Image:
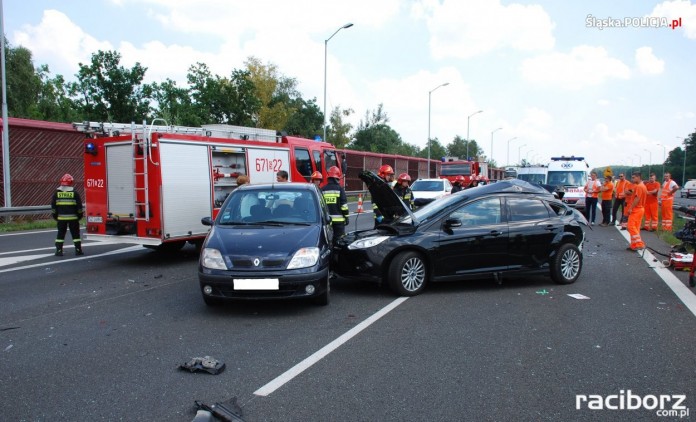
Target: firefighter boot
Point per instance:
(78, 249)
(59, 249)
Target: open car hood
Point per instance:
(384, 196)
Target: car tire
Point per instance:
(324, 298)
(407, 274)
(566, 265)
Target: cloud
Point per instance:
(584, 66)
(58, 41)
(648, 63)
(464, 29)
(603, 102)
(678, 9)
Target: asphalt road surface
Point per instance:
(100, 338)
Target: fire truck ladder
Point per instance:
(212, 130)
(142, 152)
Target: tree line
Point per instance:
(257, 95)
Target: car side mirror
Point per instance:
(207, 221)
(453, 222)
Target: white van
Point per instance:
(689, 188)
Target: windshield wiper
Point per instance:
(234, 223)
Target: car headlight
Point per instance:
(305, 257)
(212, 258)
(368, 242)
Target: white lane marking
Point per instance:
(65, 260)
(679, 288)
(321, 353)
(17, 259)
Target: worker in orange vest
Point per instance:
(667, 199)
(629, 191)
(591, 194)
(636, 209)
(653, 188)
(606, 193)
(619, 197)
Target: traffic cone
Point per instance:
(360, 209)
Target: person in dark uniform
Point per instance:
(458, 184)
(336, 202)
(66, 207)
(403, 190)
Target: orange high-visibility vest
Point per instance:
(606, 195)
(666, 193)
(641, 192)
(652, 186)
(621, 188)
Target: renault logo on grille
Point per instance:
(256, 262)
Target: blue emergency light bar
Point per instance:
(564, 158)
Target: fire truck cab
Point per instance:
(474, 173)
(151, 185)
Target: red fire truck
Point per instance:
(474, 172)
(151, 185)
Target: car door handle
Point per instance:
(496, 233)
(550, 227)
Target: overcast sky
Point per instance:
(543, 71)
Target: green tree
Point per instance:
(275, 92)
(55, 102)
(106, 91)
(173, 104)
(306, 119)
(23, 85)
(375, 135)
(458, 148)
(338, 132)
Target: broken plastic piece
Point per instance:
(228, 411)
(207, 364)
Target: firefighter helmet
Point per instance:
(334, 172)
(404, 177)
(460, 179)
(66, 180)
(317, 176)
(385, 170)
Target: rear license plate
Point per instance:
(256, 284)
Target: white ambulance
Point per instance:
(572, 173)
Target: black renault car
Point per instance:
(506, 228)
(270, 241)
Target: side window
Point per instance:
(524, 209)
(483, 212)
(330, 160)
(558, 209)
(303, 163)
(317, 160)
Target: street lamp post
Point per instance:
(508, 150)
(649, 159)
(519, 152)
(429, 101)
(664, 158)
(640, 165)
(326, 43)
(526, 156)
(467, 132)
(492, 132)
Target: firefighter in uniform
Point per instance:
(458, 184)
(636, 210)
(317, 178)
(66, 207)
(336, 202)
(386, 173)
(403, 191)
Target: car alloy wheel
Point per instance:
(566, 264)
(407, 274)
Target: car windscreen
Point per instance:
(567, 178)
(269, 205)
(427, 185)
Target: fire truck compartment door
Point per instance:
(119, 176)
(186, 193)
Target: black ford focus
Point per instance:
(505, 228)
(270, 241)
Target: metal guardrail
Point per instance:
(14, 211)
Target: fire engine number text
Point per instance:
(264, 164)
(95, 183)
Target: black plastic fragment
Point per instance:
(228, 411)
(206, 363)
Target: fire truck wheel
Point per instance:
(407, 274)
(168, 247)
(566, 264)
